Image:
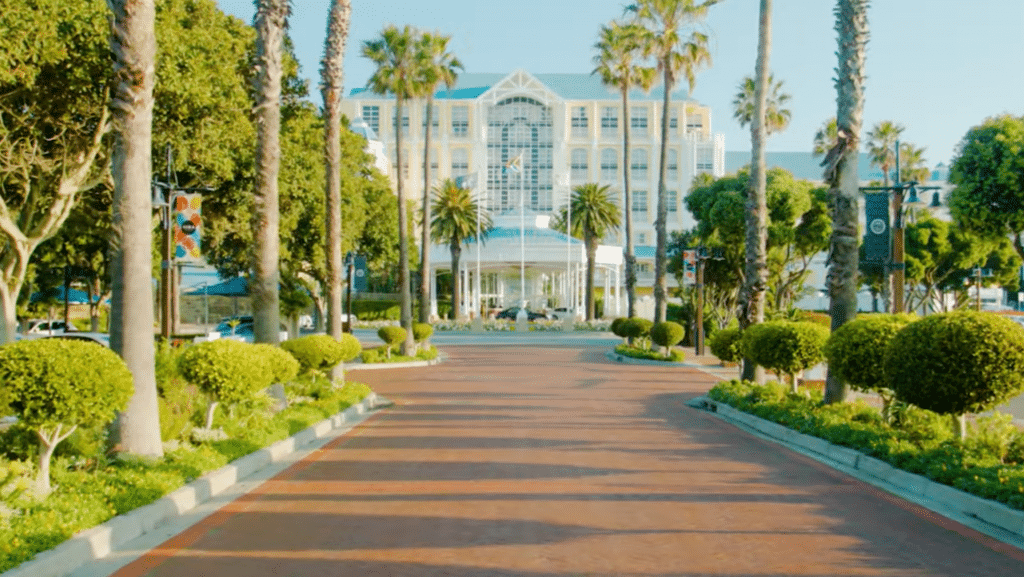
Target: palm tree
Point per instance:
(594, 214)
(271, 22)
(331, 87)
(454, 222)
(618, 48)
(776, 117)
(679, 50)
(826, 137)
(438, 66)
(841, 173)
(755, 273)
(912, 163)
(133, 44)
(395, 55)
(882, 146)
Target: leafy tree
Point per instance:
(270, 23)
(679, 49)
(227, 370)
(912, 163)
(437, 66)
(619, 47)
(841, 172)
(882, 146)
(453, 222)
(988, 172)
(826, 137)
(785, 347)
(776, 116)
(594, 215)
(332, 88)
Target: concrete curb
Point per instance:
(441, 357)
(616, 357)
(940, 498)
(97, 542)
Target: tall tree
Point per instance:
(841, 173)
(594, 215)
(755, 270)
(395, 55)
(882, 146)
(437, 66)
(680, 50)
(913, 165)
(331, 87)
(454, 221)
(826, 137)
(271, 22)
(133, 44)
(776, 115)
(619, 48)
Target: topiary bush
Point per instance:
(350, 347)
(785, 347)
(618, 327)
(56, 385)
(227, 370)
(393, 336)
(956, 363)
(725, 344)
(667, 334)
(283, 365)
(856, 350)
(316, 354)
(421, 332)
(637, 328)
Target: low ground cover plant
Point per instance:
(384, 355)
(674, 355)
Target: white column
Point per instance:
(618, 290)
(433, 293)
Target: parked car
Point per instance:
(98, 338)
(47, 326)
(561, 313)
(512, 313)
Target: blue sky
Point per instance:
(938, 67)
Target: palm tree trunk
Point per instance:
(591, 243)
(332, 75)
(627, 208)
(271, 18)
(405, 296)
(756, 268)
(425, 238)
(456, 250)
(133, 43)
(852, 26)
(660, 255)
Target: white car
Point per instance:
(46, 327)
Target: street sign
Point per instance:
(877, 243)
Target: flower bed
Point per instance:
(674, 356)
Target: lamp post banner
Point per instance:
(876, 235)
(188, 212)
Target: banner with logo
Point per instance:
(187, 227)
(876, 236)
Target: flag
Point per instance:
(515, 164)
(188, 224)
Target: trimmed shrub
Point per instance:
(392, 336)
(725, 344)
(667, 334)
(283, 364)
(637, 328)
(421, 332)
(618, 327)
(316, 354)
(227, 370)
(350, 347)
(57, 385)
(785, 347)
(856, 350)
(957, 363)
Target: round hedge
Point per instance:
(855, 351)
(59, 381)
(392, 335)
(618, 327)
(667, 333)
(315, 353)
(350, 347)
(725, 344)
(956, 363)
(636, 327)
(785, 347)
(283, 365)
(421, 332)
(228, 370)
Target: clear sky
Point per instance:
(938, 67)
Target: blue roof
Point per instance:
(569, 86)
(643, 252)
(803, 165)
(531, 234)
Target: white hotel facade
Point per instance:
(568, 128)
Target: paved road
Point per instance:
(548, 461)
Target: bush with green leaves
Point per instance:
(421, 331)
(283, 364)
(725, 344)
(957, 363)
(56, 385)
(637, 328)
(392, 336)
(856, 350)
(350, 347)
(785, 347)
(227, 370)
(667, 334)
(317, 354)
(618, 327)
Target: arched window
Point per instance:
(579, 165)
(609, 164)
(520, 127)
(638, 164)
(672, 169)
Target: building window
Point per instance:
(579, 165)
(435, 120)
(639, 202)
(705, 159)
(638, 164)
(460, 120)
(520, 127)
(672, 166)
(609, 121)
(460, 162)
(641, 239)
(579, 121)
(371, 114)
(638, 120)
(673, 119)
(673, 200)
(405, 119)
(609, 164)
(433, 165)
(406, 161)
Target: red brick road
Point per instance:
(556, 462)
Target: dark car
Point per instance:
(512, 312)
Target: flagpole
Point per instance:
(522, 228)
(478, 301)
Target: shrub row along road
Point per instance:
(555, 462)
